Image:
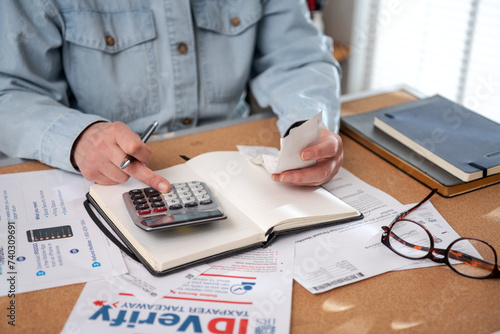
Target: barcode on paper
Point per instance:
(338, 281)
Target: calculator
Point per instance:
(187, 203)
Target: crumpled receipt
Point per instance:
(275, 162)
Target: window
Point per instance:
(447, 47)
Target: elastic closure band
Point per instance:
(485, 170)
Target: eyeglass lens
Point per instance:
(472, 257)
(409, 239)
(467, 256)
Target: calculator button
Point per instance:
(175, 207)
(135, 191)
(197, 187)
(157, 204)
(182, 189)
(140, 201)
(188, 199)
(206, 202)
(185, 194)
(169, 196)
(179, 185)
(161, 209)
(137, 196)
(144, 212)
(203, 197)
(191, 204)
(151, 192)
(199, 192)
(193, 183)
(155, 199)
(141, 207)
(173, 201)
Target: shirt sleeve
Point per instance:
(294, 71)
(37, 120)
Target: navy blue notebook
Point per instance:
(460, 141)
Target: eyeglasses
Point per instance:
(469, 257)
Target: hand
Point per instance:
(330, 154)
(101, 148)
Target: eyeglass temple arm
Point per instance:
(404, 214)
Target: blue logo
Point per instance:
(265, 330)
(242, 288)
(21, 259)
(265, 326)
(40, 273)
(74, 251)
(96, 264)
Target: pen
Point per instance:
(145, 136)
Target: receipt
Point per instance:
(305, 135)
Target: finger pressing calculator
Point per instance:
(187, 203)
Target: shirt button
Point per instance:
(109, 40)
(182, 48)
(235, 21)
(187, 121)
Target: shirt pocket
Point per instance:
(226, 35)
(109, 62)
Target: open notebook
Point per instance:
(257, 208)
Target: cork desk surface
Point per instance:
(427, 300)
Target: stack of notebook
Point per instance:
(435, 140)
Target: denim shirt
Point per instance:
(65, 64)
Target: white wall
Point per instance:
(347, 22)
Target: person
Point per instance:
(79, 79)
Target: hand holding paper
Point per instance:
(310, 155)
(305, 135)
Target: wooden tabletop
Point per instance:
(428, 300)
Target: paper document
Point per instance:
(47, 238)
(149, 288)
(305, 135)
(246, 293)
(333, 256)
